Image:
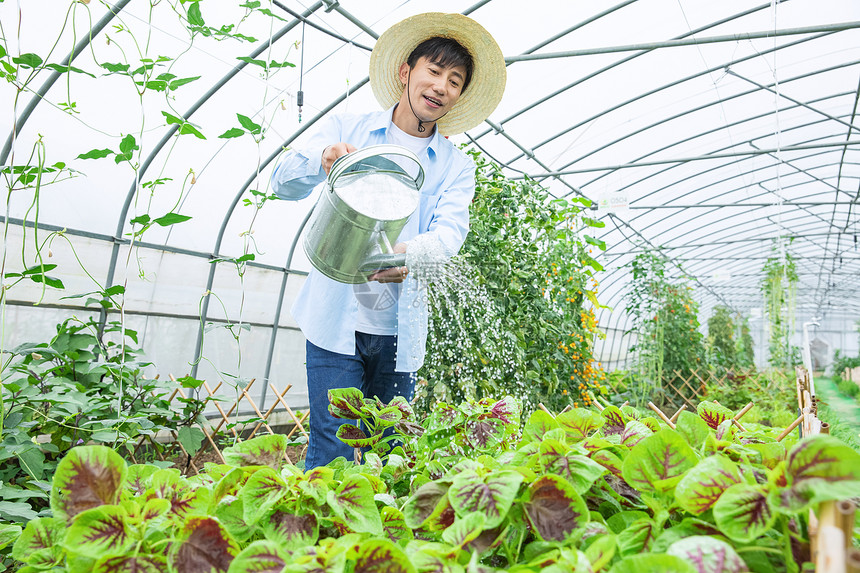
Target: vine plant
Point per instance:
(779, 286)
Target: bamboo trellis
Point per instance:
(213, 428)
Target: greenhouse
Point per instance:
(615, 284)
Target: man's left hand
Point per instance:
(394, 274)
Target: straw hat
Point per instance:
(488, 76)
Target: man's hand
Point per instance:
(332, 152)
(394, 274)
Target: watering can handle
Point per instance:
(344, 162)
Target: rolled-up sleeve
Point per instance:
(300, 169)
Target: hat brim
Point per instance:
(488, 75)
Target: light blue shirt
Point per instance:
(325, 309)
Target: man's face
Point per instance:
(433, 90)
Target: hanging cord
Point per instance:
(421, 128)
(300, 97)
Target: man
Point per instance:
(435, 75)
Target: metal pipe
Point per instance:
(744, 36)
(688, 159)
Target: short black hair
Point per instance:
(444, 52)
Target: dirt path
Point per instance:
(844, 406)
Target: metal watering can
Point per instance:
(365, 204)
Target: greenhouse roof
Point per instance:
(721, 133)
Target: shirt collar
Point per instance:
(381, 119)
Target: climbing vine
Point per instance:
(779, 286)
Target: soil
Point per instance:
(295, 453)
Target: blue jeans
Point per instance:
(370, 369)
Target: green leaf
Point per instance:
(181, 82)
(190, 438)
(658, 462)
(634, 432)
(8, 531)
(248, 60)
(264, 489)
(65, 69)
(593, 222)
(702, 486)
(353, 502)
(171, 219)
(261, 557)
(553, 508)
(128, 144)
(248, 124)
(596, 242)
(743, 513)
(491, 495)
(381, 556)
(99, 531)
(652, 563)
(96, 154)
(87, 477)
(195, 18)
(115, 68)
(50, 281)
(232, 132)
(265, 450)
(539, 423)
(40, 543)
(708, 555)
(27, 60)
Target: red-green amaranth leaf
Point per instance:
(464, 530)
(261, 557)
(658, 462)
(637, 537)
(204, 547)
(713, 414)
(291, 530)
(381, 556)
(491, 494)
(702, 486)
(429, 504)
(615, 420)
(652, 563)
(539, 423)
(394, 525)
(742, 513)
(485, 433)
(346, 403)
(708, 555)
(89, 476)
(354, 437)
(263, 490)
(265, 450)
(580, 423)
(353, 502)
(554, 508)
(39, 544)
(99, 531)
(692, 428)
(508, 410)
(634, 432)
(557, 459)
(131, 564)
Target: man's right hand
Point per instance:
(332, 152)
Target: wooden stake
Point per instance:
(265, 423)
(743, 412)
(825, 428)
(845, 511)
(674, 417)
(661, 414)
(626, 403)
(853, 561)
(287, 407)
(831, 550)
(542, 407)
(788, 430)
